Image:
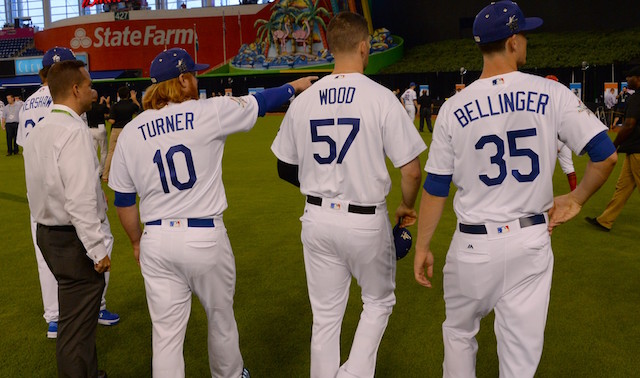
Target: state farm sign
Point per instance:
(149, 36)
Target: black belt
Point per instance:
(480, 229)
(352, 208)
(191, 222)
(68, 228)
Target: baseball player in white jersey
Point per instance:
(171, 156)
(34, 109)
(496, 141)
(410, 100)
(338, 160)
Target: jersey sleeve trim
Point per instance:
(438, 185)
(124, 199)
(600, 147)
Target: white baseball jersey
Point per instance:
(35, 108)
(408, 97)
(348, 120)
(565, 159)
(172, 157)
(498, 140)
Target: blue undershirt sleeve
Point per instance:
(600, 147)
(271, 99)
(124, 199)
(437, 185)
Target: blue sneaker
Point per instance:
(52, 331)
(245, 373)
(107, 318)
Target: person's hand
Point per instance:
(133, 93)
(564, 208)
(108, 99)
(136, 251)
(407, 214)
(303, 83)
(423, 266)
(103, 265)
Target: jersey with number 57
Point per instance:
(340, 131)
(35, 108)
(172, 157)
(497, 137)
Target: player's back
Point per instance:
(503, 133)
(33, 109)
(173, 156)
(342, 129)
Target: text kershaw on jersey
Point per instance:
(502, 103)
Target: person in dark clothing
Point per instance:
(121, 113)
(96, 122)
(426, 109)
(627, 141)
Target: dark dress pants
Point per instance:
(12, 134)
(79, 293)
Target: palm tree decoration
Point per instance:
(313, 14)
(265, 33)
(285, 15)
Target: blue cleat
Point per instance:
(52, 331)
(108, 318)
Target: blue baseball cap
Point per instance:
(501, 20)
(169, 64)
(412, 84)
(402, 239)
(57, 54)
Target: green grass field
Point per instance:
(593, 328)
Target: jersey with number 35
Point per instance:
(172, 157)
(340, 131)
(35, 108)
(498, 138)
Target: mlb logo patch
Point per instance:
(335, 206)
(503, 229)
(498, 81)
(175, 223)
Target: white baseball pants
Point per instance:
(48, 283)
(509, 273)
(411, 111)
(338, 245)
(176, 262)
(99, 135)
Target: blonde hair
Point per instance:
(157, 96)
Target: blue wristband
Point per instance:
(273, 98)
(124, 199)
(437, 185)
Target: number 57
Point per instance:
(315, 138)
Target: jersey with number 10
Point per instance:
(498, 138)
(172, 157)
(338, 132)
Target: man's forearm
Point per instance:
(595, 176)
(431, 208)
(410, 182)
(130, 221)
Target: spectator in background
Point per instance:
(621, 107)
(10, 117)
(409, 100)
(96, 122)
(121, 113)
(425, 104)
(610, 102)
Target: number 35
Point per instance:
(498, 158)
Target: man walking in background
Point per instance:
(10, 118)
(121, 113)
(95, 120)
(409, 98)
(627, 141)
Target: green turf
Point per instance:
(592, 329)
